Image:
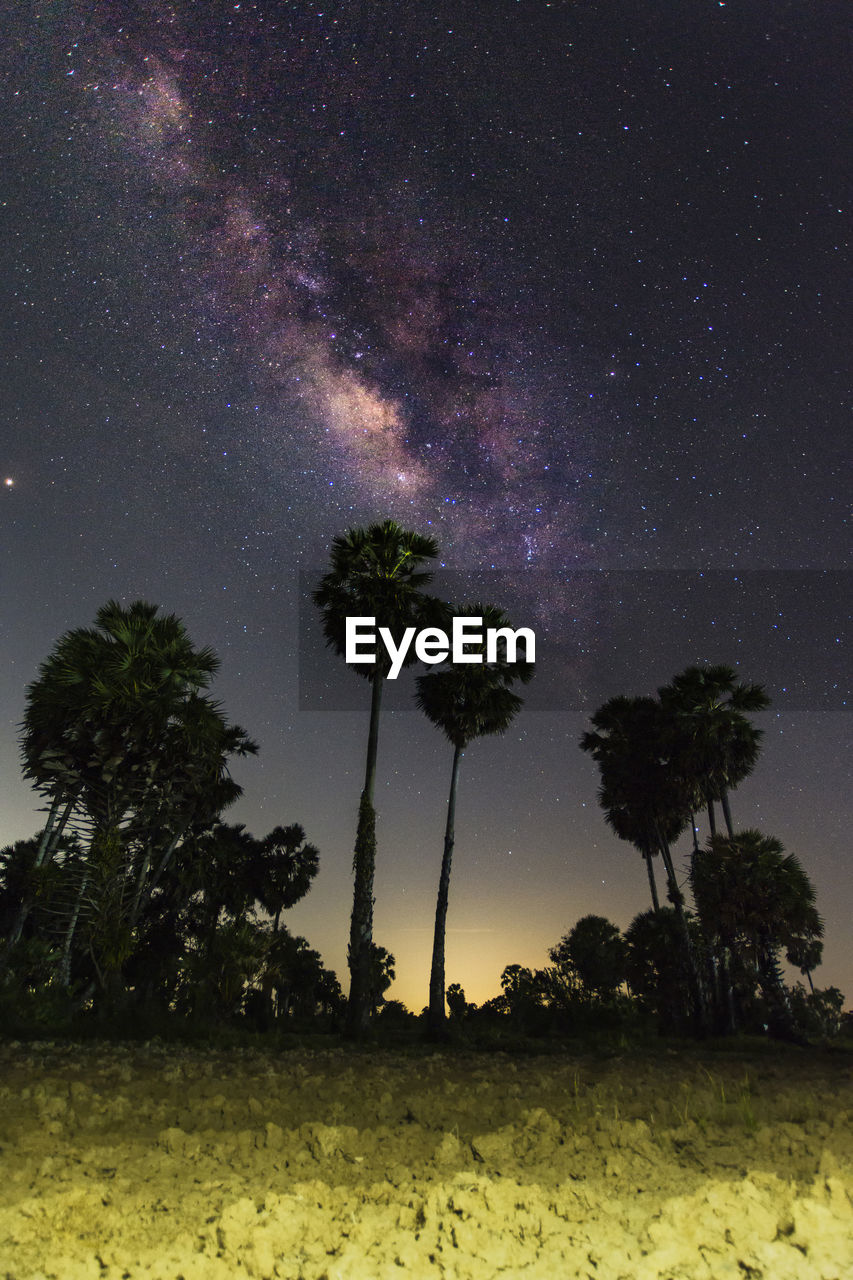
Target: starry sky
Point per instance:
(560, 284)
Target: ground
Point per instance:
(124, 1161)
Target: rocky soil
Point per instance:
(127, 1161)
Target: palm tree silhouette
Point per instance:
(99, 698)
(754, 900)
(645, 800)
(375, 572)
(116, 729)
(713, 742)
(466, 702)
(285, 866)
(594, 951)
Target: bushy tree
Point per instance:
(217, 978)
(521, 992)
(755, 901)
(655, 965)
(285, 867)
(293, 974)
(818, 1013)
(596, 952)
(220, 879)
(712, 743)
(129, 753)
(456, 1002)
(381, 974)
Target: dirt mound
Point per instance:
(123, 1162)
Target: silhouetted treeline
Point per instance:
(137, 898)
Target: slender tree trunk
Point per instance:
(214, 910)
(64, 974)
(727, 813)
(373, 736)
(713, 970)
(364, 863)
(674, 894)
(144, 896)
(728, 991)
(53, 834)
(712, 817)
(697, 994)
(722, 1004)
(781, 1018)
(437, 1016)
(647, 855)
(47, 847)
(695, 851)
(361, 923)
(45, 835)
(140, 881)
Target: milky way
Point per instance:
(401, 353)
(376, 337)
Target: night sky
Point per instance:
(562, 285)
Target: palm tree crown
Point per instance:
(713, 744)
(644, 801)
(471, 700)
(377, 572)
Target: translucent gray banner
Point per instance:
(605, 632)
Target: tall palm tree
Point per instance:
(120, 738)
(103, 698)
(630, 826)
(756, 900)
(714, 744)
(375, 572)
(645, 800)
(97, 715)
(466, 702)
